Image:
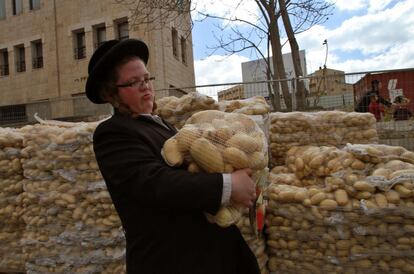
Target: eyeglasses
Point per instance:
(137, 84)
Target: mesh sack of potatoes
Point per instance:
(280, 175)
(218, 142)
(352, 224)
(256, 105)
(378, 153)
(318, 128)
(11, 210)
(321, 161)
(177, 110)
(68, 209)
(67, 258)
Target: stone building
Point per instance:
(325, 81)
(233, 93)
(45, 46)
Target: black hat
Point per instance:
(105, 58)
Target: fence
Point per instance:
(324, 90)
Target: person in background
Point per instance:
(400, 107)
(365, 101)
(161, 207)
(375, 107)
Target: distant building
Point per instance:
(45, 47)
(233, 93)
(327, 81)
(255, 70)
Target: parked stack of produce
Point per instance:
(255, 241)
(334, 128)
(251, 106)
(71, 224)
(177, 110)
(347, 210)
(11, 210)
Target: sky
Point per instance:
(362, 35)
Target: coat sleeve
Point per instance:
(133, 170)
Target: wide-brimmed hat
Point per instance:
(105, 58)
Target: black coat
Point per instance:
(162, 208)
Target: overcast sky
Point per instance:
(362, 35)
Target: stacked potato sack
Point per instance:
(356, 217)
(256, 242)
(220, 142)
(177, 110)
(334, 128)
(11, 210)
(256, 105)
(71, 224)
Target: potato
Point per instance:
(171, 153)
(237, 158)
(244, 142)
(207, 156)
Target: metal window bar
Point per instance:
(37, 62)
(80, 53)
(20, 66)
(97, 45)
(4, 70)
(123, 37)
(13, 113)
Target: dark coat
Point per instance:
(162, 208)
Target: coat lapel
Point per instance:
(157, 127)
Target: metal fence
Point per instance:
(324, 90)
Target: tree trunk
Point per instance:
(300, 86)
(277, 59)
(274, 91)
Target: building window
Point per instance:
(20, 58)
(34, 4)
(123, 32)
(17, 7)
(180, 5)
(37, 54)
(2, 9)
(174, 36)
(4, 62)
(183, 50)
(99, 35)
(79, 44)
(15, 113)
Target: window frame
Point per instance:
(174, 42)
(37, 59)
(3, 10)
(34, 4)
(119, 27)
(15, 10)
(183, 43)
(79, 44)
(97, 30)
(4, 62)
(20, 58)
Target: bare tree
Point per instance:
(149, 15)
(303, 13)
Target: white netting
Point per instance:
(71, 223)
(220, 142)
(324, 128)
(341, 214)
(11, 209)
